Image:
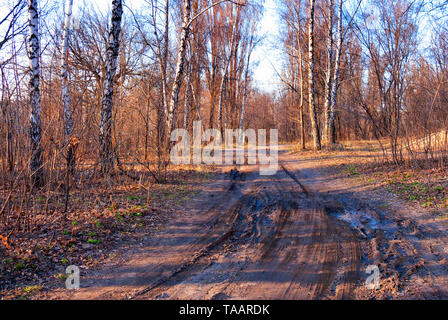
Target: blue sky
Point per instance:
(266, 54)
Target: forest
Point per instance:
(92, 92)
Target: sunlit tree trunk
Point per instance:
(337, 66)
(106, 152)
(174, 99)
(212, 69)
(67, 110)
(195, 102)
(328, 74)
(311, 93)
(246, 82)
(301, 113)
(222, 97)
(36, 163)
(224, 80)
(187, 94)
(164, 65)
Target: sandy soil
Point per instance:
(303, 233)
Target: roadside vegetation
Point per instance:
(102, 221)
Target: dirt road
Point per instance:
(248, 236)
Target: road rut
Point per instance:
(247, 236)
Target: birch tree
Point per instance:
(337, 66)
(174, 99)
(228, 58)
(67, 110)
(251, 45)
(334, 72)
(390, 44)
(188, 90)
(36, 162)
(180, 64)
(301, 91)
(294, 39)
(328, 72)
(106, 152)
(311, 92)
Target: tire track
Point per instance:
(284, 244)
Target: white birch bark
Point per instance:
(196, 102)
(187, 95)
(174, 99)
(301, 113)
(329, 74)
(36, 162)
(165, 56)
(337, 66)
(222, 93)
(106, 155)
(311, 93)
(67, 110)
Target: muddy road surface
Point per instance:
(297, 234)
(247, 236)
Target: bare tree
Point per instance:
(390, 44)
(188, 89)
(172, 108)
(311, 92)
(228, 58)
(301, 89)
(9, 22)
(106, 152)
(337, 67)
(328, 72)
(250, 46)
(36, 163)
(186, 24)
(67, 110)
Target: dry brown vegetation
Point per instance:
(105, 218)
(88, 104)
(424, 186)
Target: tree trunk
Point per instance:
(171, 121)
(311, 93)
(166, 44)
(222, 97)
(328, 74)
(187, 95)
(106, 152)
(36, 163)
(67, 110)
(246, 80)
(301, 113)
(302, 121)
(195, 101)
(337, 66)
(223, 86)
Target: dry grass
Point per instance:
(425, 187)
(39, 241)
